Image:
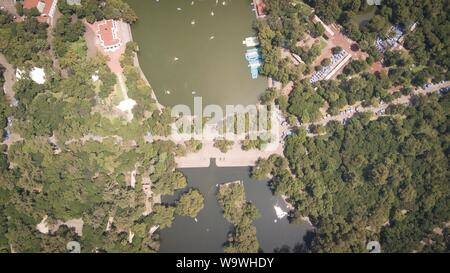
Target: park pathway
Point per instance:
(9, 76)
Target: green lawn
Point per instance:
(418, 68)
(304, 6)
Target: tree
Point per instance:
(223, 145)
(163, 215)
(378, 24)
(76, 162)
(262, 169)
(232, 199)
(169, 182)
(19, 9)
(95, 10)
(269, 96)
(242, 240)
(236, 210)
(190, 203)
(326, 62)
(305, 103)
(336, 50)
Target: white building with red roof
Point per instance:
(46, 8)
(108, 35)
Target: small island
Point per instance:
(240, 213)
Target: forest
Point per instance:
(71, 158)
(384, 180)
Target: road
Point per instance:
(379, 110)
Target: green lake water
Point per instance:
(209, 232)
(190, 52)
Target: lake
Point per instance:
(196, 50)
(210, 231)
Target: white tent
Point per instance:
(126, 105)
(36, 74)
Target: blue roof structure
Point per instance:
(444, 90)
(255, 61)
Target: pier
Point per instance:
(251, 42)
(255, 61)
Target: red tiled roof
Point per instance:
(106, 32)
(261, 8)
(29, 4)
(48, 6)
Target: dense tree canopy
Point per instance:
(380, 180)
(97, 10)
(24, 41)
(190, 203)
(241, 214)
(73, 157)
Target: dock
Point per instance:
(254, 59)
(251, 41)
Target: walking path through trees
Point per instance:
(9, 75)
(380, 109)
(236, 156)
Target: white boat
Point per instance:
(280, 212)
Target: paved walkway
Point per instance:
(9, 75)
(235, 156)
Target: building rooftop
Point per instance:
(43, 6)
(47, 9)
(107, 32)
(261, 8)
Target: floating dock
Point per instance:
(254, 59)
(251, 41)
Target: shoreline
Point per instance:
(114, 57)
(138, 67)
